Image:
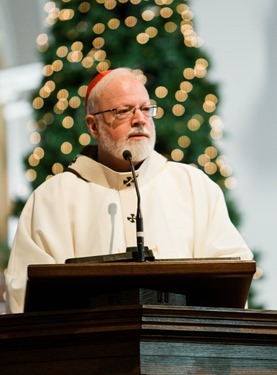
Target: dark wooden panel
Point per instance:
(140, 340)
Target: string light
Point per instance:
(184, 141)
(148, 15)
(84, 139)
(177, 155)
(178, 110)
(161, 92)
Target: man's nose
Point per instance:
(138, 116)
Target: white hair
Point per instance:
(92, 100)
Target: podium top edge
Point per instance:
(158, 267)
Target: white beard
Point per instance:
(140, 149)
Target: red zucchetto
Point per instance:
(94, 82)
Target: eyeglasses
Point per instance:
(127, 111)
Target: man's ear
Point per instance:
(92, 125)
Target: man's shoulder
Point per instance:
(62, 180)
(189, 169)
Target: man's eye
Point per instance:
(122, 110)
(145, 109)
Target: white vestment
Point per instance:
(92, 212)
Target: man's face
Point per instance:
(113, 135)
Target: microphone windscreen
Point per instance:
(127, 155)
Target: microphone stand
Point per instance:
(140, 253)
(139, 219)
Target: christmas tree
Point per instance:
(159, 41)
(154, 37)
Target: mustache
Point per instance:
(139, 131)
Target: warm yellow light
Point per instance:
(194, 124)
(148, 15)
(131, 21)
(84, 7)
(258, 274)
(210, 168)
(211, 152)
(75, 102)
(215, 122)
(221, 160)
(216, 134)
(226, 170)
(182, 8)
(163, 2)
(202, 62)
(66, 148)
(98, 28)
(74, 56)
(62, 104)
(100, 55)
(209, 106)
(212, 98)
(110, 4)
(68, 122)
(66, 14)
(87, 62)
(82, 90)
(178, 110)
(42, 39)
(33, 161)
(38, 103)
(31, 175)
(104, 65)
(45, 92)
(230, 183)
(57, 65)
(186, 86)
(161, 92)
(203, 159)
(142, 38)
(187, 15)
(152, 32)
(184, 141)
(98, 42)
(57, 168)
(50, 84)
(62, 94)
(166, 12)
(113, 23)
(39, 152)
(181, 96)
(200, 71)
(47, 70)
(62, 51)
(177, 155)
(189, 73)
(84, 139)
(170, 27)
(160, 113)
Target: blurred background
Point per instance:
(240, 39)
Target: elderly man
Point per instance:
(90, 209)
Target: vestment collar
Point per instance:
(92, 171)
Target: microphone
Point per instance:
(139, 219)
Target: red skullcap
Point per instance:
(94, 82)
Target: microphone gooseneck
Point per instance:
(139, 219)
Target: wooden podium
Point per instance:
(209, 282)
(139, 338)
